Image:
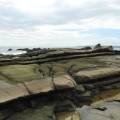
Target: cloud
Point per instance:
(45, 21)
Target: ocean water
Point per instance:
(14, 51)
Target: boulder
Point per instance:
(63, 82)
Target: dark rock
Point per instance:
(96, 91)
(64, 106)
(10, 49)
(117, 85)
(18, 106)
(33, 103)
(100, 108)
(87, 96)
(79, 88)
(86, 48)
(23, 49)
(89, 86)
(98, 46)
(110, 48)
(106, 88)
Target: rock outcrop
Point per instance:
(95, 74)
(42, 71)
(64, 82)
(11, 91)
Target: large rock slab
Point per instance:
(94, 74)
(12, 91)
(63, 82)
(40, 86)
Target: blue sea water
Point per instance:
(14, 51)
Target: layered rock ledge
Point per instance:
(58, 74)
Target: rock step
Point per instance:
(63, 82)
(10, 91)
(43, 59)
(96, 74)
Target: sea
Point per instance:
(5, 49)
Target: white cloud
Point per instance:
(34, 6)
(54, 22)
(104, 21)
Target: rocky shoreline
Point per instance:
(45, 76)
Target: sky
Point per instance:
(59, 23)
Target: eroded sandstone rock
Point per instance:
(63, 82)
(95, 74)
(10, 91)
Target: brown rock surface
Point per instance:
(9, 91)
(63, 82)
(86, 75)
(40, 86)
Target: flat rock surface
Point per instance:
(42, 86)
(111, 113)
(86, 75)
(50, 69)
(10, 91)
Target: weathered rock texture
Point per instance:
(95, 74)
(44, 70)
(9, 91)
